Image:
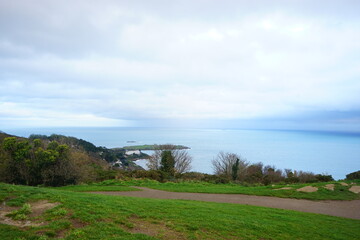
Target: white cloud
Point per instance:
(125, 61)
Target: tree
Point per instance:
(182, 159)
(271, 175)
(224, 164)
(254, 173)
(167, 163)
(235, 169)
(19, 164)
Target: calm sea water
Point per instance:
(320, 152)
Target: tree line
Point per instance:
(176, 163)
(233, 167)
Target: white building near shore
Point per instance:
(131, 152)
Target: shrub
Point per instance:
(193, 176)
(353, 175)
(324, 178)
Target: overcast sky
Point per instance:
(246, 64)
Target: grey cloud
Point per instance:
(178, 60)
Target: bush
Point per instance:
(196, 176)
(324, 178)
(292, 180)
(151, 174)
(353, 175)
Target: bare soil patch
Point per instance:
(330, 187)
(344, 184)
(38, 208)
(355, 189)
(307, 189)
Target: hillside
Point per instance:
(57, 160)
(112, 156)
(5, 135)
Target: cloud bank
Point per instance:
(133, 63)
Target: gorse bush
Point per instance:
(39, 162)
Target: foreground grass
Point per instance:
(90, 216)
(340, 192)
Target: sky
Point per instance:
(190, 63)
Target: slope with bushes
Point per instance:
(56, 160)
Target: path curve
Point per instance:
(347, 209)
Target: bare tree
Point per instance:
(224, 164)
(155, 160)
(182, 158)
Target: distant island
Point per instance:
(152, 147)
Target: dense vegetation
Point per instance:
(353, 175)
(35, 162)
(230, 166)
(56, 160)
(79, 144)
(91, 216)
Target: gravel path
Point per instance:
(347, 209)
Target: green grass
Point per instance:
(14, 233)
(95, 188)
(91, 216)
(20, 214)
(340, 192)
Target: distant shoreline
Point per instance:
(152, 147)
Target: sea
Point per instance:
(335, 153)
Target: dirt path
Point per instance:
(347, 209)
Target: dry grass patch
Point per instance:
(307, 189)
(330, 187)
(355, 189)
(284, 188)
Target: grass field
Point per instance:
(88, 216)
(340, 192)
(94, 188)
